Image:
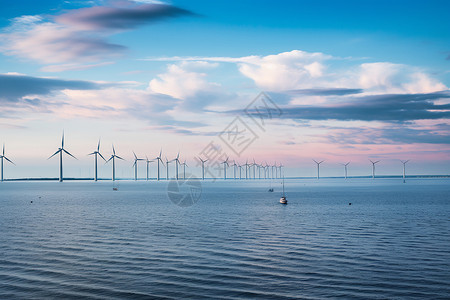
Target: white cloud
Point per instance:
(304, 70)
(184, 80)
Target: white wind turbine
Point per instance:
(135, 165)
(184, 169)
(281, 166)
(276, 170)
(254, 168)
(240, 171)
(147, 170)
(234, 165)
(95, 153)
(225, 165)
(60, 151)
(167, 168)
(113, 158)
(203, 167)
(318, 167)
(159, 159)
(7, 159)
(246, 168)
(373, 167)
(404, 162)
(345, 168)
(177, 162)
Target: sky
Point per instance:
(271, 81)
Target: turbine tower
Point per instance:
(318, 167)
(135, 165)
(404, 162)
(167, 168)
(345, 168)
(254, 169)
(203, 167)
(184, 169)
(148, 162)
(7, 159)
(234, 165)
(177, 162)
(113, 158)
(246, 167)
(373, 167)
(159, 159)
(95, 153)
(60, 151)
(225, 165)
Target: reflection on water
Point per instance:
(82, 239)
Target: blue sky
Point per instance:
(355, 80)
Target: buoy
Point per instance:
(349, 203)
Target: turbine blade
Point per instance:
(114, 150)
(3, 149)
(119, 157)
(98, 146)
(55, 153)
(92, 153)
(62, 140)
(67, 152)
(8, 160)
(135, 157)
(108, 159)
(101, 156)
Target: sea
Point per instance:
(226, 239)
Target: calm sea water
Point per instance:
(82, 239)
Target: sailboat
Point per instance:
(283, 197)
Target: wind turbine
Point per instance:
(167, 168)
(345, 167)
(184, 169)
(234, 165)
(203, 167)
(113, 158)
(60, 151)
(4, 157)
(159, 159)
(135, 165)
(246, 167)
(95, 153)
(254, 169)
(404, 162)
(240, 171)
(318, 167)
(280, 166)
(148, 162)
(373, 167)
(225, 165)
(177, 162)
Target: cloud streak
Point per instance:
(14, 87)
(122, 18)
(388, 107)
(80, 35)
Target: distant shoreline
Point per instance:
(154, 179)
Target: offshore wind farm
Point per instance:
(156, 149)
(251, 170)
